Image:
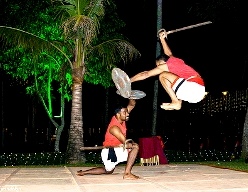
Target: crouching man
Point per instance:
(117, 148)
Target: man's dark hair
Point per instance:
(118, 109)
(162, 57)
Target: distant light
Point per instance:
(225, 92)
(205, 94)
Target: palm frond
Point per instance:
(80, 26)
(68, 6)
(82, 6)
(96, 9)
(84, 19)
(113, 51)
(72, 7)
(28, 41)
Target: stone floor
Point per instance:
(158, 178)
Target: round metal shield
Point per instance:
(122, 82)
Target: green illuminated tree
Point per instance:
(43, 75)
(81, 47)
(40, 78)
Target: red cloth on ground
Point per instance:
(151, 146)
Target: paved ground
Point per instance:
(159, 178)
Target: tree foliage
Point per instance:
(80, 47)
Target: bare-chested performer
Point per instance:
(117, 148)
(180, 81)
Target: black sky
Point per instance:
(217, 51)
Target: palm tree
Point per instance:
(81, 23)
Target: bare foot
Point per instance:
(171, 106)
(80, 173)
(130, 176)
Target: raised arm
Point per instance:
(165, 46)
(131, 105)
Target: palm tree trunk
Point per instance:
(75, 141)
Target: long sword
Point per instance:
(102, 147)
(91, 148)
(183, 28)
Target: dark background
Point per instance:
(217, 51)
